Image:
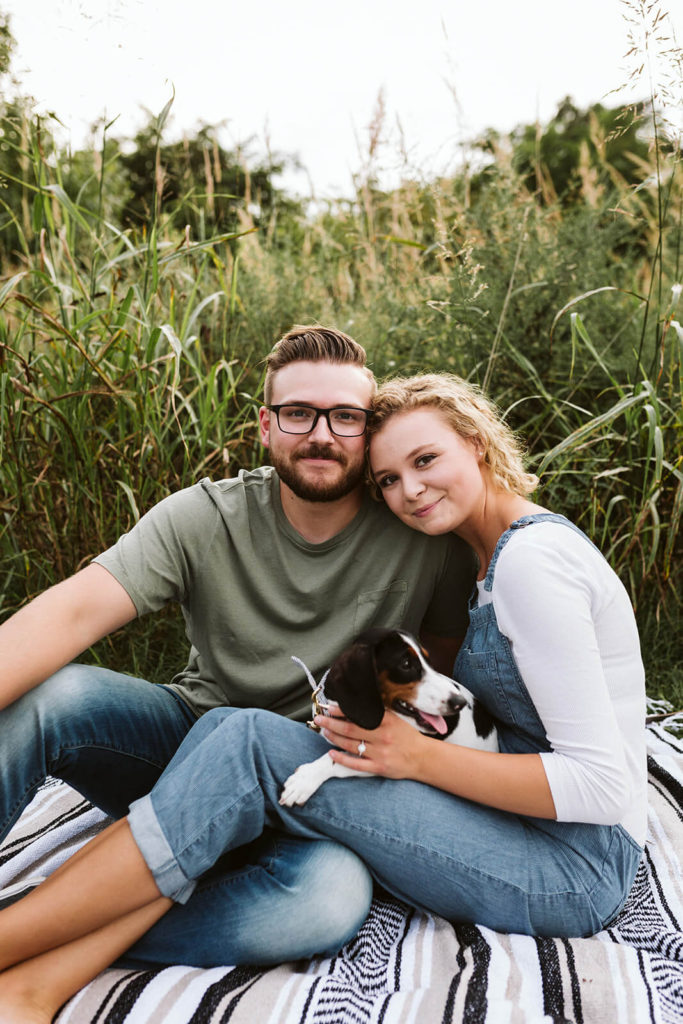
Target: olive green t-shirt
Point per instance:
(253, 592)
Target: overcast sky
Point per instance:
(303, 76)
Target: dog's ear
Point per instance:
(352, 683)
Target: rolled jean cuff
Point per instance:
(158, 855)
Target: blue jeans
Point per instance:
(434, 850)
(278, 898)
(110, 736)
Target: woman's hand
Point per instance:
(511, 782)
(394, 749)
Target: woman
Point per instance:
(543, 838)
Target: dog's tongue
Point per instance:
(436, 722)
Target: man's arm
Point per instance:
(442, 650)
(57, 626)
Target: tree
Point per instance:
(203, 183)
(7, 44)
(597, 142)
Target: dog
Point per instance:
(388, 669)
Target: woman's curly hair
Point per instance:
(468, 412)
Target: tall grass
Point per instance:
(130, 360)
(119, 378)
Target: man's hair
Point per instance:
(466, 411)
(316, 345)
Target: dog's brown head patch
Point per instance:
(393, 691)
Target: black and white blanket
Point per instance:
(406, 967)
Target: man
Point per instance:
(289, 560)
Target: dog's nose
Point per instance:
(456, 702)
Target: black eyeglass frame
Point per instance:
(318, 413)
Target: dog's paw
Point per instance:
(302, 784)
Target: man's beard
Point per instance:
(308, 490)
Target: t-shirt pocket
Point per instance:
(383, 607)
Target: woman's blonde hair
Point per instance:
(468, 412)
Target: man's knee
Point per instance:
(60, 694)
(88, 706)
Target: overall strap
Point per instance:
(520, 524)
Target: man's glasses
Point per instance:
(343, 420)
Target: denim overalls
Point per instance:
(485, 665)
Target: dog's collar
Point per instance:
(320, 705)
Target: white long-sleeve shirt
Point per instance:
(573, 636)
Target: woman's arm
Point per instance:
(547, 593)
(510, 782)
(573, 637)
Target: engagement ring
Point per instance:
(361, 748)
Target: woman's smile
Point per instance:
(426, 509)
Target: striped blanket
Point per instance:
(405, 966)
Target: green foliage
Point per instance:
(7, 44)
(599, 147)
(206, 187)
(118, 382)
(141, 288)
(25, 150)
